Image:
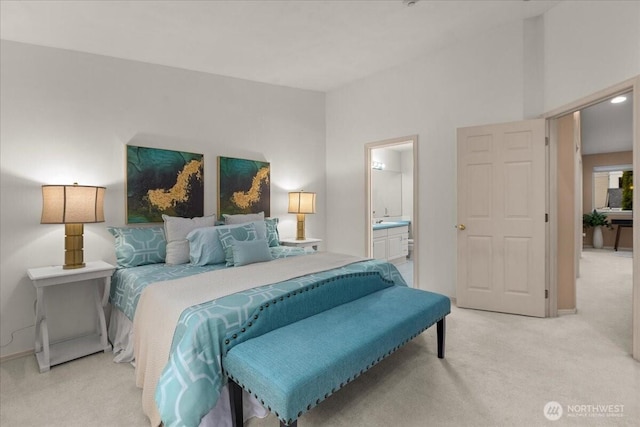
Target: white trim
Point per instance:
(552, 209)
(416, 199)
(566, 311)
(612, 168)
(632, 84)
(18, 355)
(636, 217)
(594, 98)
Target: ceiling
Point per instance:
(315, 45)
(306, 44)
(607, 127)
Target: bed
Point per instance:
(169, 319)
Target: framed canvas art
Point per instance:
(163, 182)
(243, 186)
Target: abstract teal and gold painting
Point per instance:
(163, 182)
(243, 186)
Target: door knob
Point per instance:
(461, 227)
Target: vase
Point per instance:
(597, 237)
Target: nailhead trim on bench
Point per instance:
(347, 381)
(228, 342)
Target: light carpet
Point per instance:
(499, 370)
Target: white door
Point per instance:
(501, 218)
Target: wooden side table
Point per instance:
(310, 241)
(45, 277)
(620, 223)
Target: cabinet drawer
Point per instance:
(379, 233)
(398, 230)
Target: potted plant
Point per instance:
(597, 220)
(627, 190)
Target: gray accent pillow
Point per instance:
(250, 252)
(205, 247)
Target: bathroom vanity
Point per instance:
(391, 241)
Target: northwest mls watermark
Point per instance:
(553, 411)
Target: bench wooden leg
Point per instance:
(441, 334)
(235, 399)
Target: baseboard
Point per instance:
(15, 356)
(620, 248)
(567, 311)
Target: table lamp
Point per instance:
(301, 203)
(72, 205)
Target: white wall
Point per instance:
(584, 47)
(589, 46)
(465, 84)
(67, 117)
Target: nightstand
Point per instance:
(47, 277)
(301, 243)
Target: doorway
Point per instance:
(391, 203)
(631, 87)
(555, 202)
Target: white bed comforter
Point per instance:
(162, 303)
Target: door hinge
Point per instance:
(546, 217)
(546, 294)
(546, 140)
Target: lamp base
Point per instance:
(300, 228)
(73, 246)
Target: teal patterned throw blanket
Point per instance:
(191, 381)
(128, 283)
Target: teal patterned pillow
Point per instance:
(229, 234)
(139, 245)
(272, 232)
(286, 251)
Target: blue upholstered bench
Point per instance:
(294, 367)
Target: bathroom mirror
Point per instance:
(386, 193)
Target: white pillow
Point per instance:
(176, 230)
(243, 218)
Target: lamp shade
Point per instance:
(302, 203)
(72, 204)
